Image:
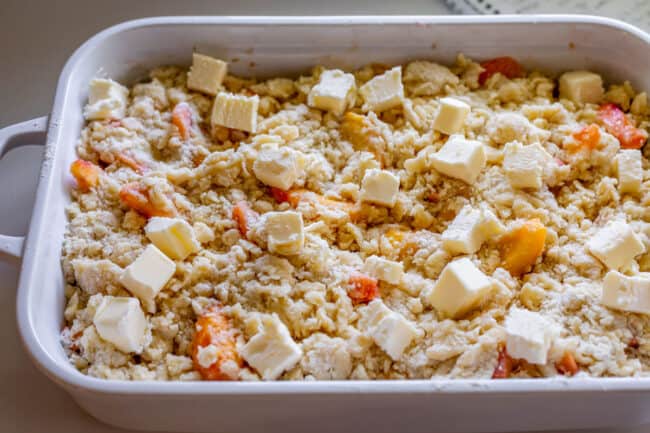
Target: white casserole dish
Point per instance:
(289, 46)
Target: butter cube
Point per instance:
(276, 167)
(384, 91)
(235, 111)
(120, 321)
(460, 288)
(451, 115)
(334, 92)
(629, 170)
(581, 86)
(206, 74)
(524, 165)
(627, 293)
(393, 333)
(384, 269)
(107, 99)
(615, 245)
(271, 351)
(460, 158)
(147, 275)
(528, 336)
(173, 236)
(470, 229)
(285, 232)
(379, 187)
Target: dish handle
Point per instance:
(20, 134)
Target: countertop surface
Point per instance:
(36, 38)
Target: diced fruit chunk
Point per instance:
(214, 345)
(581, 86)
(147, 275)
(206, 74)
(244, 216)
(120, 320)
(451, 115)
(362, 133)
(505, 364)
(136, 196)
(383, 91)
(182, 119)
(620, 126)
(379, 187)
(128, 160)
(235, 111)
(460, 288)
(334, 92)
(363, 288)
(173, 236)
(627, 293)
(521, 247)
(588, 137)
(272, 351)
(85, 173)
(567, 365)
(528, 335)
(280, 195)
(506, 66)
(616, 244)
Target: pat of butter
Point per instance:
(235, 111)
(528, 336)
(206, 74)
(379, 187)
(120, 321)
(147, 275)
(627, 293)
(524, 165)
(334, 92)
(393, 334)
(383, 269)
(460, 158)
(460, 288)
(285, 232)
(107, 99)
(384, 91)
(616, 245)
(451, 115)
(271, 351)
(276, 167)
(173, 236)
(470, 229)
(629, 170)
(581, 86)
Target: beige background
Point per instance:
(36, 38)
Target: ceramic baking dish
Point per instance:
(268, 46)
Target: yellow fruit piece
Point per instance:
(521, 247)
(360, 131)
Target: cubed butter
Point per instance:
(581, 86)
(616, 245)
(206, 74)
(460, 288)
(460, 158)
(393, 333)
(524, 165)
(235, 111)
(285, 232)
(451, 115)
(470, 229)
(334, 92)
(276, 167)
(107, 99)
(271, 351)
(379, 187)
(173, 236)
(627, 293)
(529, 336)
(383, 269)
(120, 321)
(629, 170)
(147, 275)
(384, 91)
